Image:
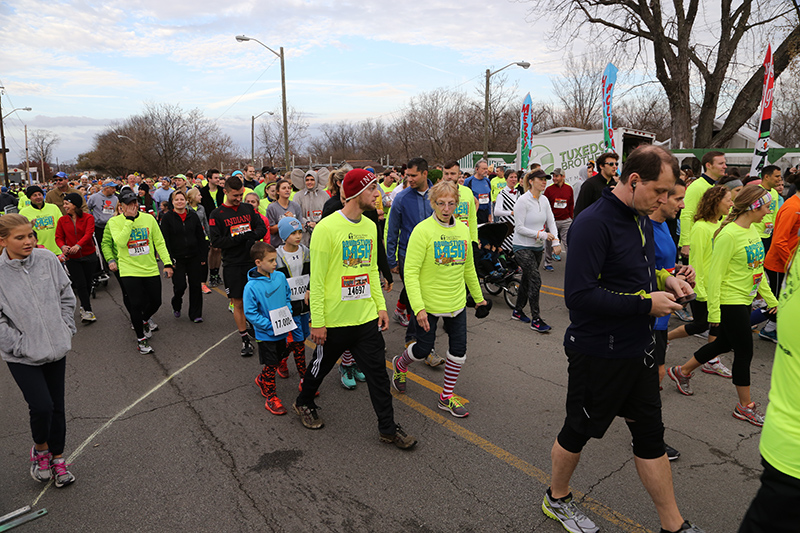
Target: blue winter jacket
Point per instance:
(408, 209)
(262, 294)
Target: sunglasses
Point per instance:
(614, 164)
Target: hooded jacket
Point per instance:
(36, 309)
(311, 202)
(263, 294)
(80, 232)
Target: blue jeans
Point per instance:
(456, 329)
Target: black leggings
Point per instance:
(81, 272)
(531, 283)
(43, 389)
(144, 295)
(734, 334)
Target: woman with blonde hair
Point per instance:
(735, 276)
(35, 345)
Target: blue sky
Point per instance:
(81, 65)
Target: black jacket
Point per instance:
(207, 199)
(184, 238)
(591, 191)
(235, 230)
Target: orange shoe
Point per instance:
(205, 289)
(274, 406)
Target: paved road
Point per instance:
(198, 452)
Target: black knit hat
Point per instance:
(75, 199)
(33, 189)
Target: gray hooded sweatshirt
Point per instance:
(37, 309)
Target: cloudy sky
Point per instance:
(81, 65)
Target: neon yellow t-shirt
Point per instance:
(24, 202)
(133, 244)
(781, 433)
(466, 211)
(694, 192)
(497, 184)
(263, 204)
(438, 263)
(345, 283)
(44, 222)
(701, 243)
(767, 224)
(736, 272)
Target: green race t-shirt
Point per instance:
(44, 222)
(438, 264)
(345, 283)
(780, 437)
(767, 224)
(466, 211)
(736, 272)
(701, 245)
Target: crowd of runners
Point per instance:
(305, 259)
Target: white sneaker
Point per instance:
(153, 325)
(87, 316)
(717, 368)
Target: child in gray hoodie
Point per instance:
(37, 323)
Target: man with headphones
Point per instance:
(613, 291)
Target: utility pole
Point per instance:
(27, 158)
(285, 119)
(3, 143)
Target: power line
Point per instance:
(246, 91)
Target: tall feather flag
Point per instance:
(526, 131)
(608, 81)
(762, 145)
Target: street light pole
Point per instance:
(489, 74)
(253, 136)
(243, 38)
(3, 145)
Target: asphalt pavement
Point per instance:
(180, 441)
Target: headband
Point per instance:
(762, 201)
(733, 184)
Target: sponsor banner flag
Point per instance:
(608, 81)
(526, 131)
(762, 144)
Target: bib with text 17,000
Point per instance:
(282, 321)
(298, 286)
(355, 287)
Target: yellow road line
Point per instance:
(554, 288)
(621, 521)
(412, 376)
(553, 293)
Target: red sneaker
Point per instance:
(275, 406)
(283, 370)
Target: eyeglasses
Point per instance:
(614, 164)
(445, 204)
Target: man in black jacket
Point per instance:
(234, 227)
(211, 197)
(592, 188)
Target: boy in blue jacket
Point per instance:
(268, 307)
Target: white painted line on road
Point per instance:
(122, 413)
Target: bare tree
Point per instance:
(683, 54)
(578, 92)
(645, 110)
(42, 144)
(270, 136)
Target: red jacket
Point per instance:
(80, 232)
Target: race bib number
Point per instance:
(560, 204)
(282, 321)
(355, 287)
(138, 247)
(768, 227)
(298, 286)
(108, 209)
(483, 199)
(316, 215)
(756, 281)
(239, 229)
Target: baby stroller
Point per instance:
(496, 267)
